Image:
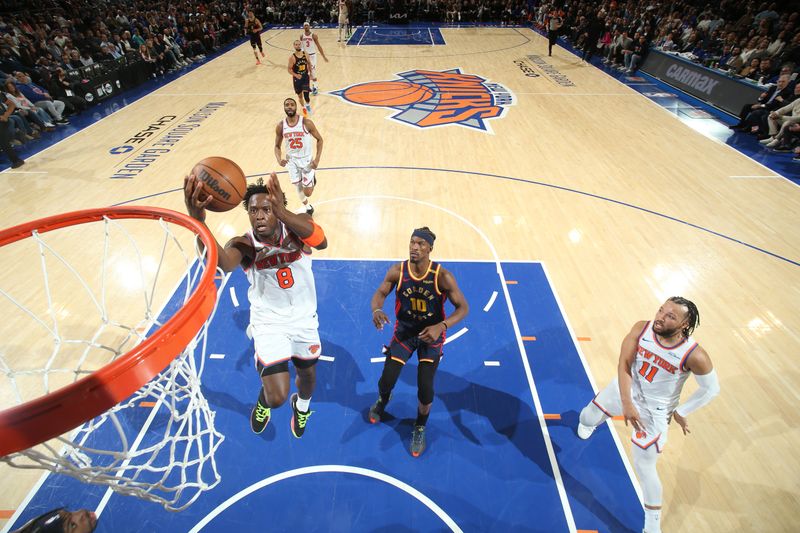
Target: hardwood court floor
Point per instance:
(623, 203)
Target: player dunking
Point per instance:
(310, 45)
(275, 255)
(298, 68)
(298, 131)
(421, 288)
(344, 20)
(655, 360)
(253, 27)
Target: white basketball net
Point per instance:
(85, 311)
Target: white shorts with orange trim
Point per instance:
(276, 344)
(654, 423)
(300, 171)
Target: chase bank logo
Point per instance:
(124, 149)
(429, 98)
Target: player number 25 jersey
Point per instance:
(298, 140)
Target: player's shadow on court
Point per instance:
(241, 402)
(508, 416)
(590, 498)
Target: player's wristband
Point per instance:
(376, 310)
(316, 237)
(445, 325)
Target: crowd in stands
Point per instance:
(754, 40)
(393, 11)
(44, 44)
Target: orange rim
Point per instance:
(49, 416)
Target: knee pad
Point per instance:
(264, 371)
(391, 371)
(425, 375)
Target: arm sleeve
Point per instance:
(707, 391)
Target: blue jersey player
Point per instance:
(421, 287)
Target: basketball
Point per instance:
(388, 93)
(222, 179)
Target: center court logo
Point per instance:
(430, 98)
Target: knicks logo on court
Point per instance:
(430, 98)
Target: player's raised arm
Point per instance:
(390, 281)
(231, 256)
(301, 225)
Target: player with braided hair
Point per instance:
(655, 360)
(421, 288)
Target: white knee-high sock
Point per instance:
(644, 463)
(301, 194)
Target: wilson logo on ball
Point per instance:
(214, 185)
(430, 98)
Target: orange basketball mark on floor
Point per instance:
(5, 514)
(529, 338)
(147, 404)
(511, 282)
(584, 338)
(586, 531)
(552, 417)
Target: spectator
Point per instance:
(780, 120)
(765, 71)
(636, 55)
(40, 97)
(751, 70)
(778, 44)
(29, 111)
(751, 115)
(62, 89)
(6, 109)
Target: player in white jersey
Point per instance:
(298, 131)
(655, 360)
(344, 20)
(275, 255)
(310, 45)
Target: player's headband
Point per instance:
(425, 236)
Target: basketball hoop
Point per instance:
(112, 362)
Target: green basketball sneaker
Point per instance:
(259, 416)
(299, 419)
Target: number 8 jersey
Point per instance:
(282, 290)
(659, 372)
